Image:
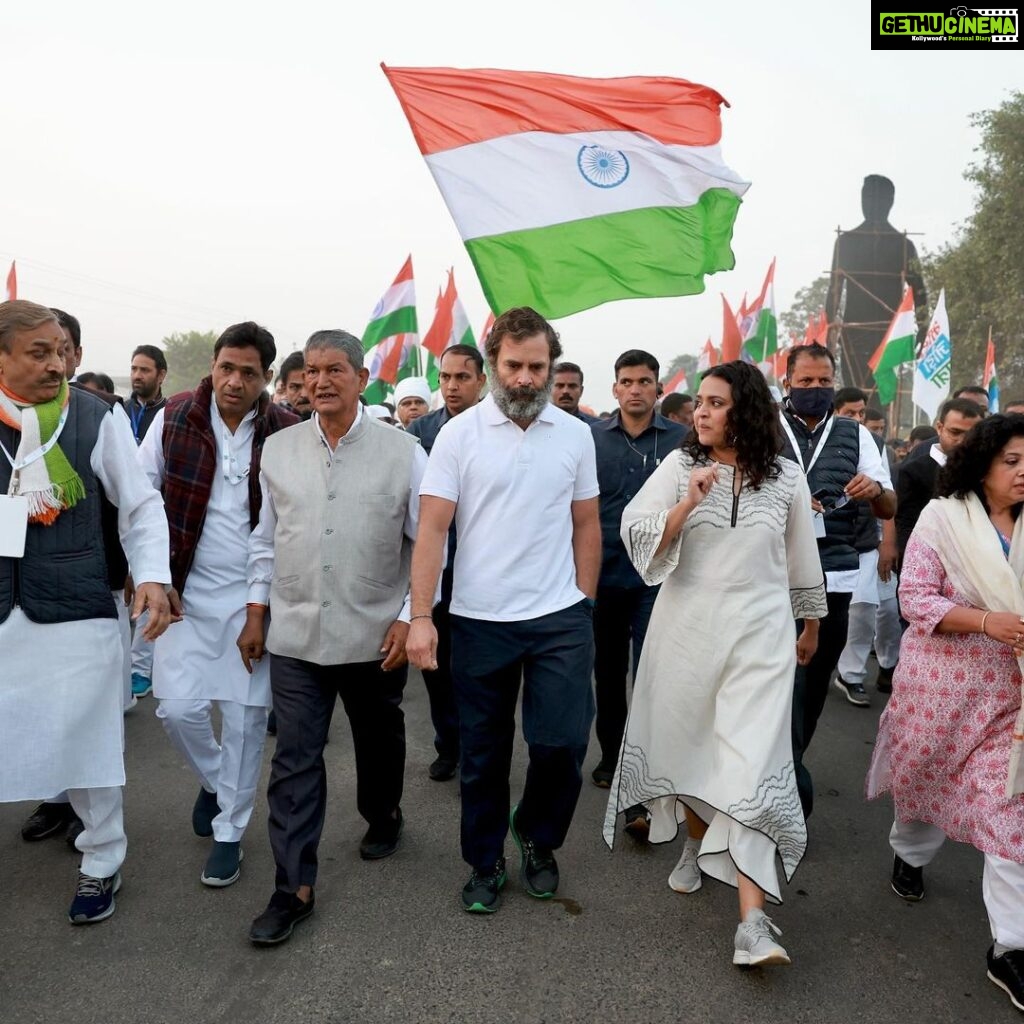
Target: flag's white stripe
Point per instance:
(397, 296)
(542, 184)
(904, 326)
(460, 322)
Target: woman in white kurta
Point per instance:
(724, 525)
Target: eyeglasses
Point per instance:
(831, 506)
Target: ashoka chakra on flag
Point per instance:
(569, 192)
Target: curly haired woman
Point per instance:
(725, 526)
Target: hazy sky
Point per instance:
(190, 165)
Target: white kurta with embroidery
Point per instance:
(197, 658)
(709, 723)
(61, 694)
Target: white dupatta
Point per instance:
(960, 532)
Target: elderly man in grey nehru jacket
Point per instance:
(330, 557)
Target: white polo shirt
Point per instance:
(514, 490)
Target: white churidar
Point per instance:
(231, 769)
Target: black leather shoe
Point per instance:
(276, 924)
(47, 820)
(443, 768)
(907, 882)
(381, 840)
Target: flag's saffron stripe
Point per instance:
(543, 179)
(449, 107)
(399, 321)
(565, 268)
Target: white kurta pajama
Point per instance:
(709, 724)
(62, 700)
(197, 661)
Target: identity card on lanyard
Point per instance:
(14, 507)
(13, 525)
(819, 519)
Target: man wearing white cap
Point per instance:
(412, 399)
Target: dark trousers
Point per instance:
(620, 617)
(441, 690)
(811, 688)
(554, 656)
(304, 699)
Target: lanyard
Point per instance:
(20, 464)
(136, 414)
(797, 451)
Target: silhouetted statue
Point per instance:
(873, 260)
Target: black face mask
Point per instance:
(813, 403)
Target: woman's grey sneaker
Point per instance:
(755, 942)
(685, 875)
(94, 898)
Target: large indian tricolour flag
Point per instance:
(934, 364)
(569, 192)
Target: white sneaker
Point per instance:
(685, 875)
(755, 946)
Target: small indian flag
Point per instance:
(12, 283)
(897, 347)
(761, 337)
(990, 381)
(569, 192)
(732, 339)
(707, 358)
(451, 325)
(391, 335)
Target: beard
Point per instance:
(521, 403)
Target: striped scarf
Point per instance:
(50, 482)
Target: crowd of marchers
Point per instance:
(267, 548)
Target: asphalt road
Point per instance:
(389, 942)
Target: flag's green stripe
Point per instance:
(764, 342)
(899, 350)
(376, 392)
(398, 321)
(467, 338)
(564, 268)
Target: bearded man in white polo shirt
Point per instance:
(519, 477)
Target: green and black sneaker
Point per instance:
(537, 867)
(481, 894)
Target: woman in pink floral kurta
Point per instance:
(943, 739)
(950, 742)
